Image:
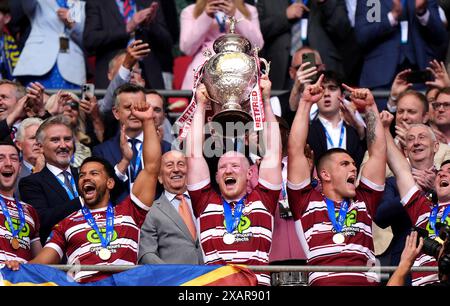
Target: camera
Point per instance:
(439, 247)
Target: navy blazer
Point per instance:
(318, 142)
(382, 45)
(105, 34)
(43, 191)
(390, 212)
(110, 150)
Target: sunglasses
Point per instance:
(73, 105)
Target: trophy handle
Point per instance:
(266, 64)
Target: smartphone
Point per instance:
(419, 76)
(87, 91)
(310, 58)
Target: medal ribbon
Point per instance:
(433, 217)
(105, 240)
(339, 223)
(232, 220)
(14, 232)
(74, 187)
(341, 137)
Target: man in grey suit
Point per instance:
(165, 237)
(32, 156)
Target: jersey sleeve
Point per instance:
(370, 193)
(57, 239)
(269, 195)
(416, 204)
(299, 196)
(134, 207)
(37, 225)
(201, 194)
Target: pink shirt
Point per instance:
(199, 34)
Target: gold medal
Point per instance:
(104, 254)
(15, 243)
(338, 238)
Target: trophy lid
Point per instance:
(232, 42)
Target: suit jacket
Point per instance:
(165, 238)
(43, 191)
(24, 172)
(330, 32)
(276, 30)
(41, 51)
(391, 213)
(110, 150)
(318, 141)
(105, 34)
(382, 45)
(445, 5)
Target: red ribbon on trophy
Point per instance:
(256, 101)
(185, 120)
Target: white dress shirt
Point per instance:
(335, 133)
(176, 203)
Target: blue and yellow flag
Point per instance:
(147, 275)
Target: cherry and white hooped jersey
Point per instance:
(418, 208)
(315, 232)
(253, 235)
(28, 235)
(76, 239)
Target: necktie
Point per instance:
(128, 10)
(185, 214)
(296, 39)
(134, 143)
(67, 180)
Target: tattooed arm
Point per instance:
(375, 168)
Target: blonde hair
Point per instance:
(240, 5)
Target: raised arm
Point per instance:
(396, 160)
(375, 168)
(298, 166)
(198, 170)
(270, 167)
(144, 187)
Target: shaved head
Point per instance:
(232, 154)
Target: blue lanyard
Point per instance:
(74, 187)
(14, 232)
(232, 220)
(109, 224)
(341, 137)
(433, 217)
(339, 223)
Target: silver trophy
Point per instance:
(230, 75)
